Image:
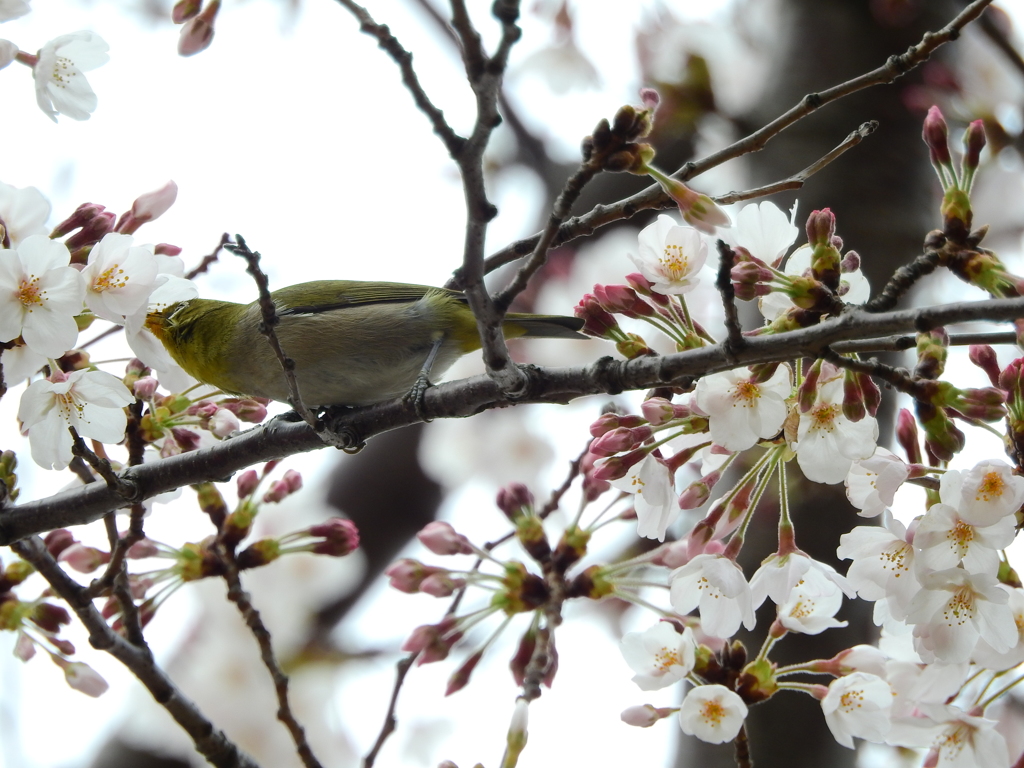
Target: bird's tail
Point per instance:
(542, 326)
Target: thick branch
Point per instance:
(470, 396)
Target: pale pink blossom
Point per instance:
(827, 442)
(954, 609)
(670, 256)
(985, 494)
(779, 575)
(61, 86)
(742, 411)
(955, 738)
(712, 713)
(764, 230)
(40, 296)
(23, 212)
(661, 656)
(717, 586)
(858, 704)
(872, 483)
(943, 539)
(986, 656)
(119, 277)
(883, 563)
(654, 496)
(812, 604)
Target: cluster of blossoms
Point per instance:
(37, 622)
(950, 606)
(52, 289)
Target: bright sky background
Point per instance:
(296, 132)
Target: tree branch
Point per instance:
(470, 396)
(654, 197)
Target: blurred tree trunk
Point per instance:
(882, 194)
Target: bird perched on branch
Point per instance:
(353, 343)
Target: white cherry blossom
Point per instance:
(827, 442)
(954, 609)
(169, 289)
(670, 256)
(23, 212)
(654, 497)
(742, 411)
(119, 277)
(812, 604)
(712, 713)
(764, 230)
(883, 563)
(13, 9)
(943, 539)
(660, 656)
(40, 296)
(61, 86)
(985, 494)
(717, 586)
(872, 483)
(955, 738)
(779, 575)
(985, 656)
(858, 704)
(90, 401)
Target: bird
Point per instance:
(353, 343)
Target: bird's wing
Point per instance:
(328, 295)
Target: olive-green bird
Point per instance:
(353, 343)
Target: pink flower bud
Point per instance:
(145, 387)
(698, 492)
(92, 231)
(974, 142)
(83, 678)
(698, 210)
(514, 499)
(166, 249)
(340, 537)
(246, 483)
(84, 559)
(617, 298)
(935, 135)
(821, 226)
(597, 321)
(83, 214)
(184, 10)
(649, 98)
(142, 549)
(906, 435)
(58, 540)
(293, 480)
(644, 715)
(614, 467)
(658, 411)
(593, 488)
(441, 539)
(186, 439)
(407, 574)
(983, 356)
(247, 410)
(432, 641)
(149, 206)
(850, 262)
(197, 33)
(440, 585)
(24, 647)
(460, 677)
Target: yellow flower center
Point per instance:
(746, 393)
(675, 261)
(713, 712)
(110, 279)
(960, 537)
(991, 487)
(895, 558)
(851, 700)
(824, 416)
(667, 657)
(960, 609)
(30, 295)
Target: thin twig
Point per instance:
(390, 720)
(389, 43)
(238, 596)
(735, 340)
(208, 259)
(270, 320)
(903, 280)
(654, 197)
(470, 396)
(559, 213)
(100, 465)
(902, 342)
(797, 180)
(208, 740)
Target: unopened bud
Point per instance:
(974, 142)
(645, 715)
(58, 540)
(698, 492)
(906, 435)
(197, 34)
(983, 356)
(246, 483)
(442, 539)
(460, 677)
(515, 500)
(149, 206)
(821, 226)
(936, 136)
(82, 216)
(184, 10)
(340, 537)
(850, 262)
